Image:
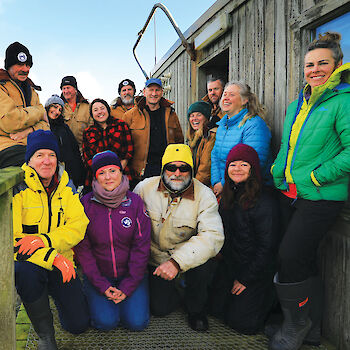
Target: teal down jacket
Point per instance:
(320, 164)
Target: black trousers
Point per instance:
(305, 223)
(12, 156)
(246, 313)
(165, 297)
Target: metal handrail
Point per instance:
(185, 44)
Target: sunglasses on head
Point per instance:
(184, 168)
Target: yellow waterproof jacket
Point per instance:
(60, 220)
(15, 115)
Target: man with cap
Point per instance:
(48, 221)
(186, 233)
(20, 110)
(76, 108)
(126, 99)
(215, 88)
(153, 124)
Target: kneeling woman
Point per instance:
(242, 292)
(115, 250)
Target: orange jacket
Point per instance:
(138, 121)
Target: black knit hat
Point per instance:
(17, 53)
(126, 82)
(201, 107)
(69, 80)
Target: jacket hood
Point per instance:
(339, 76)
(32, 179)
(5, 76)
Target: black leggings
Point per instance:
(305, 224)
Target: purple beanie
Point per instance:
(247, 154)
(103, 159)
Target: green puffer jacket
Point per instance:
(319, 163)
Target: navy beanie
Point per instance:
(41, 139)
(103, 159)
(201, 107)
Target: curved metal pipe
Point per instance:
(186, 45)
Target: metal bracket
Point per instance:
(185, 44)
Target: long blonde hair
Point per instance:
(253, 105)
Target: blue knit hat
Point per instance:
(103, 159)
(41, 139)
(54, 99)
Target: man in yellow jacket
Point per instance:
(48, 221)
(20, 110)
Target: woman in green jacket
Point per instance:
(312, 172)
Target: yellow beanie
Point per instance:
(177, 152)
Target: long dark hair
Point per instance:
(246, 198)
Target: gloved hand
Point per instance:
(29, 244)
(65, 266)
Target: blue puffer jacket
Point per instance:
(254, 132)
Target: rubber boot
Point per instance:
(315, 314)
(40, 315)
(294, 300)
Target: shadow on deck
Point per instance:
(171, 332)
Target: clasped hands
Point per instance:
(168, 270)
(114, 294)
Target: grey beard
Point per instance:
(127, 101)
(176, 187)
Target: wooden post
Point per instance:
(335, 263)
(9, 177)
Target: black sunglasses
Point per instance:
(183, 168)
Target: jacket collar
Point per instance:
(225, 121)
(141, 103)
(340, 75)
(188, 194)
(5, 76)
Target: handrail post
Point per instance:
(9, 177)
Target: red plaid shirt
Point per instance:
(116, 138)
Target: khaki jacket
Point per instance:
(15, 115)
(138, 121)
(202, 161)
(118, 109)
(78, 120)
(187, 229)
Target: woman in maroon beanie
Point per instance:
(242, 289)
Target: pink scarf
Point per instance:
(111, 199)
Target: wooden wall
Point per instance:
(266, 44)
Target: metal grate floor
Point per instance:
(171, 332)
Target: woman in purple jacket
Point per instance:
(115, 250)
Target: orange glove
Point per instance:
(29, 244)
(65, 266)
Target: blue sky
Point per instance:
(91, 40)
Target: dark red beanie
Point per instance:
(245, 153)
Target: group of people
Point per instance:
(215, 225)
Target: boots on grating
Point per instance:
(295, 307)
(40, 315)
(315, 314)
